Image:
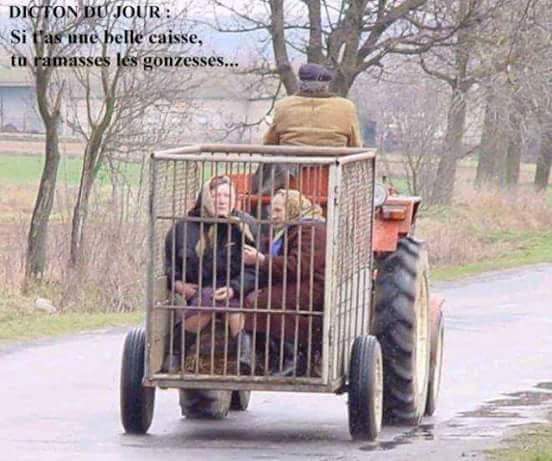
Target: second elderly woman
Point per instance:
(291, 277)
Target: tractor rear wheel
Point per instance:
(401, 322)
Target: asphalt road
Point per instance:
(60, 399)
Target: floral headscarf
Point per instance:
(205, 207)
(298, 206)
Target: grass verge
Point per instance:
(533, 444)
(528, 248)
(38, 325)
(19, 322)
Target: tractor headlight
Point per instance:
(380, 195)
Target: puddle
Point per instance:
(544, 386)
(488, 421)
(422, 432)
(515, 400)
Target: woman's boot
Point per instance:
(288, 367)
(243, 342)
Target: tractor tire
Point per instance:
(204, 404)
(137, 401)
(365, 389)
(401, 322)
(240, 400)
(436, 367)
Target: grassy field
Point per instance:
(18, 170)
(533, 444)
(528, 248)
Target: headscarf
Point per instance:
(205, 207)
(298, 208)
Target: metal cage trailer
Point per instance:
(320, 307)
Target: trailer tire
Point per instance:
(240, 400)
(365, 389)
(137, 401)
(204, 404)
(401, 322)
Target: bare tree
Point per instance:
(407, 107)
(349, 36)
(472, 58)
(535, 79)
(120, 99)
(49, 89)
(508, 101)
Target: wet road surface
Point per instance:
(59, 398)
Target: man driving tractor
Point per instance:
(313, 116)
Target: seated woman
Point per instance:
(211, 256)
(295, 271)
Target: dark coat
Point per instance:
(226, 253)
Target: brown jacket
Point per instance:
(319, 121)
(306, 251)
(323, 120)
(303, 296)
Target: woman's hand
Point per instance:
(188, 290)
(223, 293)
(251, 254)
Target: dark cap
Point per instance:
(316, 72)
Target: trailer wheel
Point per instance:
(436, 366)
(365, 389)
(240, 400)
(401, 322)
(204, 404)
(137, 401)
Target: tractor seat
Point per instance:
(312, 182)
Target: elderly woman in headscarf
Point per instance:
(203, 260)
(294, 267)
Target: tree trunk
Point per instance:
(443, 187)
(90, 166)
(342, 83)
(486, 166)
(283, 66)
(544, 162)
(35, 263)
(80, 213)
(513, 153)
